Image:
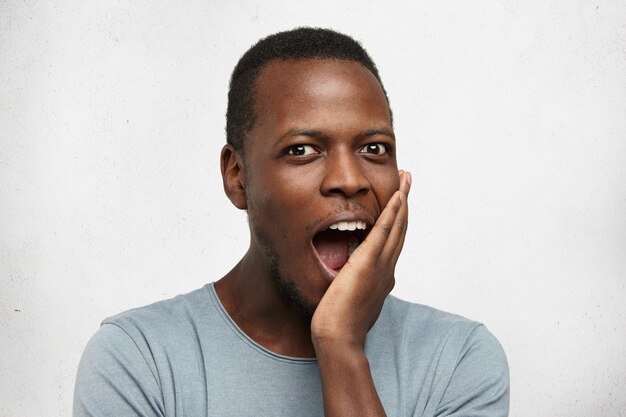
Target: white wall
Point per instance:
(510, 114)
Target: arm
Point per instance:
(350, 308)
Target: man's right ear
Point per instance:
(232, 168)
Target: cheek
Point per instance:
(274, 209)
(263, 212)
(385, 186)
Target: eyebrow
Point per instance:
(302, 132)
(374, 132)
(314, 133)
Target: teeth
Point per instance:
(348, 225)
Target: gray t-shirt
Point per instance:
(186, 357)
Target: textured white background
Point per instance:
(510, 114)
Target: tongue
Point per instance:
(332, 247)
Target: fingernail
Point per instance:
(409, 178)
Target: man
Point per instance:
(303, 325)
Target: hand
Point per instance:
(353, 301)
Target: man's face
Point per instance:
(321, 151)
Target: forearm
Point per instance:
(347, 384)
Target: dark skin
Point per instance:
(322, 150)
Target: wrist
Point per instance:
(337, 348)
(335, 337)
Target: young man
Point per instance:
(303, 325)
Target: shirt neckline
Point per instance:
(243, 336)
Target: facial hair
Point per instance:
(286, 286)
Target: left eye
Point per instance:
(301, 150)
(374, 148)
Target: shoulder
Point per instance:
(125, 365)
(163, 317)
(116, 376)
(412, 320)
(446, 333)
(165, 331)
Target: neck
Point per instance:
(252, 299)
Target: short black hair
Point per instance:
(300, 43)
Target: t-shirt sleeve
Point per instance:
(115, 379)
(479, 386)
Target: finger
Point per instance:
(376, 239)
(394, 243)
(379, 236)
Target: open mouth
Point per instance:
(335, 244)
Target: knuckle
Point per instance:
(386, 228)
(397, 206)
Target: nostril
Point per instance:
(348, 192)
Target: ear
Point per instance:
(233, 176)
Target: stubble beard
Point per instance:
(286, 286)
(289, 291)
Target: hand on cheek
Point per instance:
(354, 299)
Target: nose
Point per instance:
(344, 175)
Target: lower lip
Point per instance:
(330, 273)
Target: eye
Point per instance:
(301, 150)
(374, 149)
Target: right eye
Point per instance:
(301, 150)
